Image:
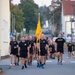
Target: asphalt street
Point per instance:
(51, 67)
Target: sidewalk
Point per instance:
(5, 64)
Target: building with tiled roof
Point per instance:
(68, 12)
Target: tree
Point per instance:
(19, 19)
(30, 10)
(44, 10)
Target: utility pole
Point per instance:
(12, 22)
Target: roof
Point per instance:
(68, 7)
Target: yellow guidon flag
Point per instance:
(38, 29)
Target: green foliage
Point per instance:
(19, 19)
(30, 10)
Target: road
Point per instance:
(51, 68)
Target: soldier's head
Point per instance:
(26, 38)
(60, 35)
(30, 38)
(13, 38)
(23, 38)
(42, 36)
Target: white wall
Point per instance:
(66, 24)
(0, 27)
(4, 26)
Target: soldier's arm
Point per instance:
(46, 46)
(55, 46)
(72, 47)
(38, 46)
(9, 48)
(18, 50)
(17, 45)
(65, 46)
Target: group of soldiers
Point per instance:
(26, 50)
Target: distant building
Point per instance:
(46, 24)
(4, 27)
(68, 12)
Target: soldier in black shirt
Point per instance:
(29, 45)
(34, 47)
(60, 43)
(70, 49)
(46, 50)
(31, 50)
(13, 50)
(23, 51)
(42, 49)
(52, 48)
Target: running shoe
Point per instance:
(22, 67)
(11, 65)
(42, 67)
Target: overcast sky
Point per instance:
(39, 2)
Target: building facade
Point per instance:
(68, 14)
(4, 27)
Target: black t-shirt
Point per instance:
(28, 42)
(23, 46)
(32, 44)
(70, 45)
(34, 41)
(60, 43)
(43, 43)
(13, 44)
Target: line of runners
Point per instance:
(27, 50)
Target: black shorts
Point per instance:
(31, 51)
(23, 55)
(14, 51)
(61, 51)
(53, 51)
(43, 52)
(69, 50)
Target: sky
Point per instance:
(39, 2)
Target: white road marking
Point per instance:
(72, 61)
(63, 61)
(46, 61)
(51, 61)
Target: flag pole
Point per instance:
(39, 36)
